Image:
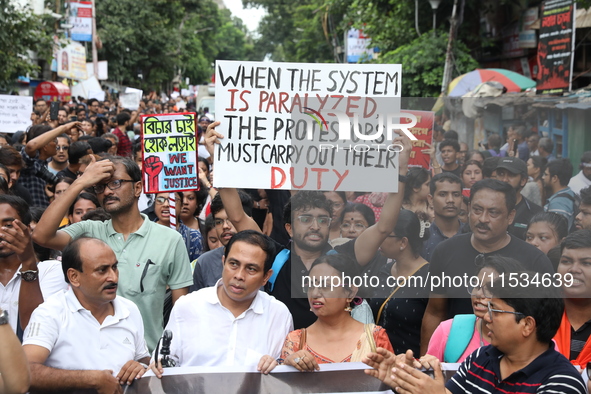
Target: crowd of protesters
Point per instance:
(90, 262)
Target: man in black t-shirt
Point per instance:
(492, 210)
(514, 171)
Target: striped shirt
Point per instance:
(550, 372)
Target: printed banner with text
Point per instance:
(423, 130)
(555, 46)
(308, 126)
(169, 152)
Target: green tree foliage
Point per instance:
(160, 39)
(423, 61)
(300, 31)
(20, 31)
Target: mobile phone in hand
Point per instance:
(515, 147)
(53, 110)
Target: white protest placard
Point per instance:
(15, 113)
(130, 100)
(308, 126)
(96, 94)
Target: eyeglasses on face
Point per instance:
(161, 200)
(491, 310)
(322, 221)
(220, 222)
(357, 226)
(62, 147)
(113, 185)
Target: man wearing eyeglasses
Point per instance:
(521, 357)
(307, 218)
(492, 210)
(151, 257)
(59, 161)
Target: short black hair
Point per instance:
(122, 118)
(494, 141)
(562, 168)
(245, 199)
(71, 257)
(547, 144)
(453, 143)
(256, 238)
(365, 211)
(451, 135)
(77, 150)
(580, 239)
(305, 200)
(557, 222)
(9, 156)
(84, 196)
(345, 265)
(497, 186)
(544, 304)
(131, 167)
(37, 130)
(19, 205)
(585, 195)
(444, 177)
(91, 101)
(489, 166)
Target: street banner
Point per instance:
(332, 378)
(71, 62)
(424, 133)
(169, 153)
(15, 113)
(308, 126)
(81, 20)
(358, 46)
(556, 46)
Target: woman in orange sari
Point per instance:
(335, 337)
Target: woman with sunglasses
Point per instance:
(335, 336)
(455, 339)
(192, 237)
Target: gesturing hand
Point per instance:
(153, 166)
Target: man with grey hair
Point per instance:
(583, 179)
(545, 148)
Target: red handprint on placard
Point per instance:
(153, 166)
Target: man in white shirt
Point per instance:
(232, 323)
(583, 178)
(23, 283)
(86, 337)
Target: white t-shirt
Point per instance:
(77, 341)
(51, 281)
(205, 333)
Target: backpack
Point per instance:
(460, 335)
(576, 200)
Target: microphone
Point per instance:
(166, 361)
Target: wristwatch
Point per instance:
(29, 276)
(4, 317)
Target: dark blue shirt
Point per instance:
(550, 372)
(435, 238)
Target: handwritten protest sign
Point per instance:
(15, 113)
(169, 152)
(423, 130)
(307, 126)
